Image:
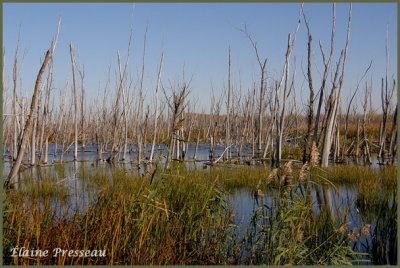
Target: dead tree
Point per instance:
(120, 89)
(156, 108)
(75, 102)
(15, 123)
(60, 122)
(348, 111)
(325, 76)
(310, 114)
(140, 112)
(45, 132)
(286, 92)
(11, 179)
(334, 102)
(12, 176)
(228, 111)
(393, 137)
(176, 104)
(262, 65)
(386, 97)
(365, 147)
(82, 76)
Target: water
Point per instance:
(245, 203)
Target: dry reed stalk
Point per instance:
(304, 171)
(271, 175)
(287, 171)
(365, 230)
(314, 156)
(344, 228)
(353, 236)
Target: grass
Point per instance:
(386, 176)
(175, 216)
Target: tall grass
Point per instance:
(177, 216)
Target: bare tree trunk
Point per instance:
(386, 104)
(44, 125)
(82, 75)
(120, 90)
(366, 154)
(393, 137)
(253, 140)
(75, 103)
(14, 105)
(286, 92)
(228, 110)
(330, 119)
(335, 103)
(197, 144)
(348, 111)
(33, 142)
(11, 179)
(310, 115)
(325, 76)
(358, 138)
(140, 104)
(156, 109)
(176, 105)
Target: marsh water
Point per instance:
(75, 177)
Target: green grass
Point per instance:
(386, 176)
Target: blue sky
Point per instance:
(196, 37)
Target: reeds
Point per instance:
(178, 216)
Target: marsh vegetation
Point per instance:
(260, 180)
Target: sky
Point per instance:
(195, 38)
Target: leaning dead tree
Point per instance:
(334, 101)
(115, 148)
(11, 179)
(15, 123)
(156, 109)
(286, 92)
(325, 76)
(45, 131)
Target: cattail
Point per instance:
(271, 175)
(353, 236)
(259, 184)
(365, 230)
(260, 193)
(304, 171)
(314, 155)
(287, 171)
(344, 228)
